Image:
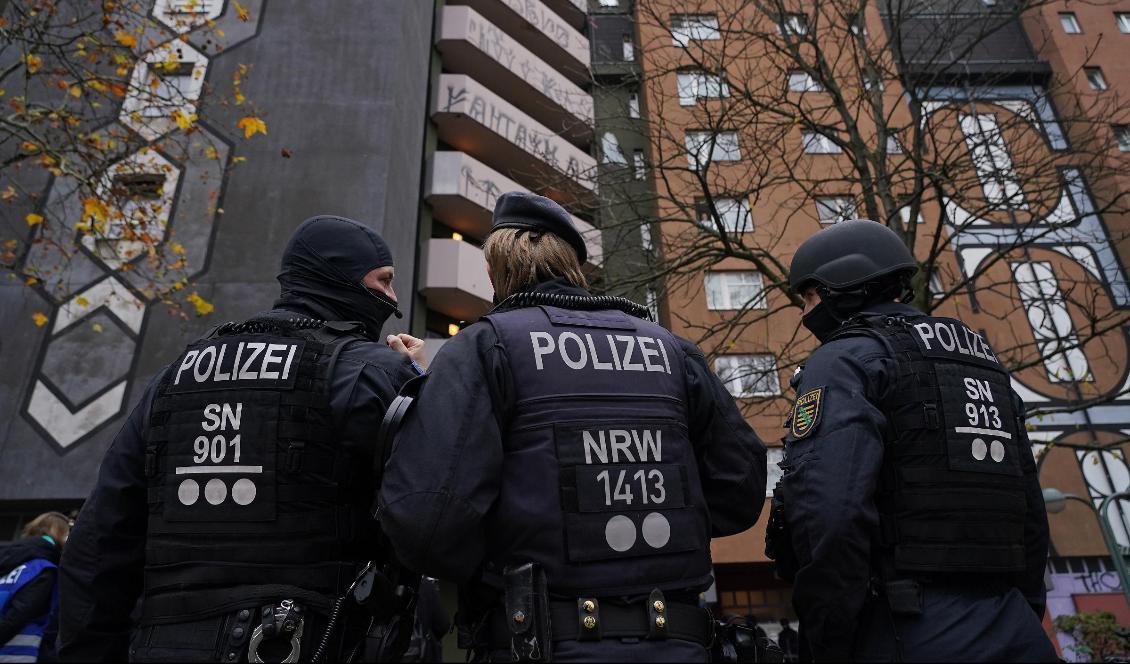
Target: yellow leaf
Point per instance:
(8, 194)
(203, 307)
(82, 301)
(40, 318)
(183, 120)
(33, 219)
(237, 160)
(211, 152)
(31, 281)
(92, 207)
(219, 32)
(177, 248)
(239, 98)
(251, 125)
(126, 39)
(33, 62)
(28, 146)
(97, 327)
(75, 91)
(242, 12)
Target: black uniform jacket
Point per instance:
(101, 577)
(832, 514)
(443, 476)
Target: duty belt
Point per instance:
(588, 619)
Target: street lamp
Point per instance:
(1055, 501)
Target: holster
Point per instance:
(778, 541)
(527, 613)
(740, 643)
(904, 596)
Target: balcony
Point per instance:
(462, 192)
(455, 279)
(472, 45)
(475, 120)
(573, 11)
(538, 28)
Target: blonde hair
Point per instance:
(53, 524)
(519, 258)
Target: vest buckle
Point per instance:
(930, 410)
(294, 451)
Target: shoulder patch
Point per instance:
(806, 412)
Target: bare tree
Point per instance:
(769, 117)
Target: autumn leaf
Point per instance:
(8, 194)
(242, 12)
(34, 63)
(31, 281)
(239, 98)
(97, 327)
(40, 318)
(184, 120)
(92, 207)
(203, 307)
(126, 39)
(177, 248)
(82, 301)
(75, 91)
(28, 146)
(211, 152)
(251, 125)
(33, 219)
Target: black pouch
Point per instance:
(778, 541)
(904, 596)
(527, 613)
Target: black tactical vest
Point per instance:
(600, 484)
(251, 499)
(951, 498)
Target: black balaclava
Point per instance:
(322, 268)
(821, 322)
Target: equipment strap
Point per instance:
(682, 621)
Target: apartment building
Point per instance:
(768, 122)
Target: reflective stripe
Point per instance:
(19, 658)
(32, 640)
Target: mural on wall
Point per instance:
(102, 296)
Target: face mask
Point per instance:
(821, 322)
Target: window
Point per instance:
(1122, 137)
(734, 290)
(817, 143)
(609, 3)
(634, 105)
(686, 28)
(1123, 21)
(748, 375)
(645, 237)
(904, 214)
(169, 86)
(629, 49)
(610, 148)
(704, 147)
(893, 146)
(1070, 23)
(834, 209)
(989, 3)
(800, 81)
(695, 85)
(793, 24)
(858, 25)
(1095, 78)
(652, 299)
(992, 160)
(638, 164)
(188, 6)
(872, 82)
(734, 213)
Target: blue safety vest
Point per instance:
(24, 647)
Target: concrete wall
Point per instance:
(344, 92)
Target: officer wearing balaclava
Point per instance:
(234, 501)
(584, 459)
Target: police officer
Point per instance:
(910, 494)
(569, 461)
(234, 502)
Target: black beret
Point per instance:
(537, 213)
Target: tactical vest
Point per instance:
(24, 646)
(251, 497)
(951, 498)
(600, 484)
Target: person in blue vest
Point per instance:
(909, 517)
(29, 590)
(568, 460)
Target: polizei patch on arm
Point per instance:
(806, 412)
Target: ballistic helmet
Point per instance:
(849, 255)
